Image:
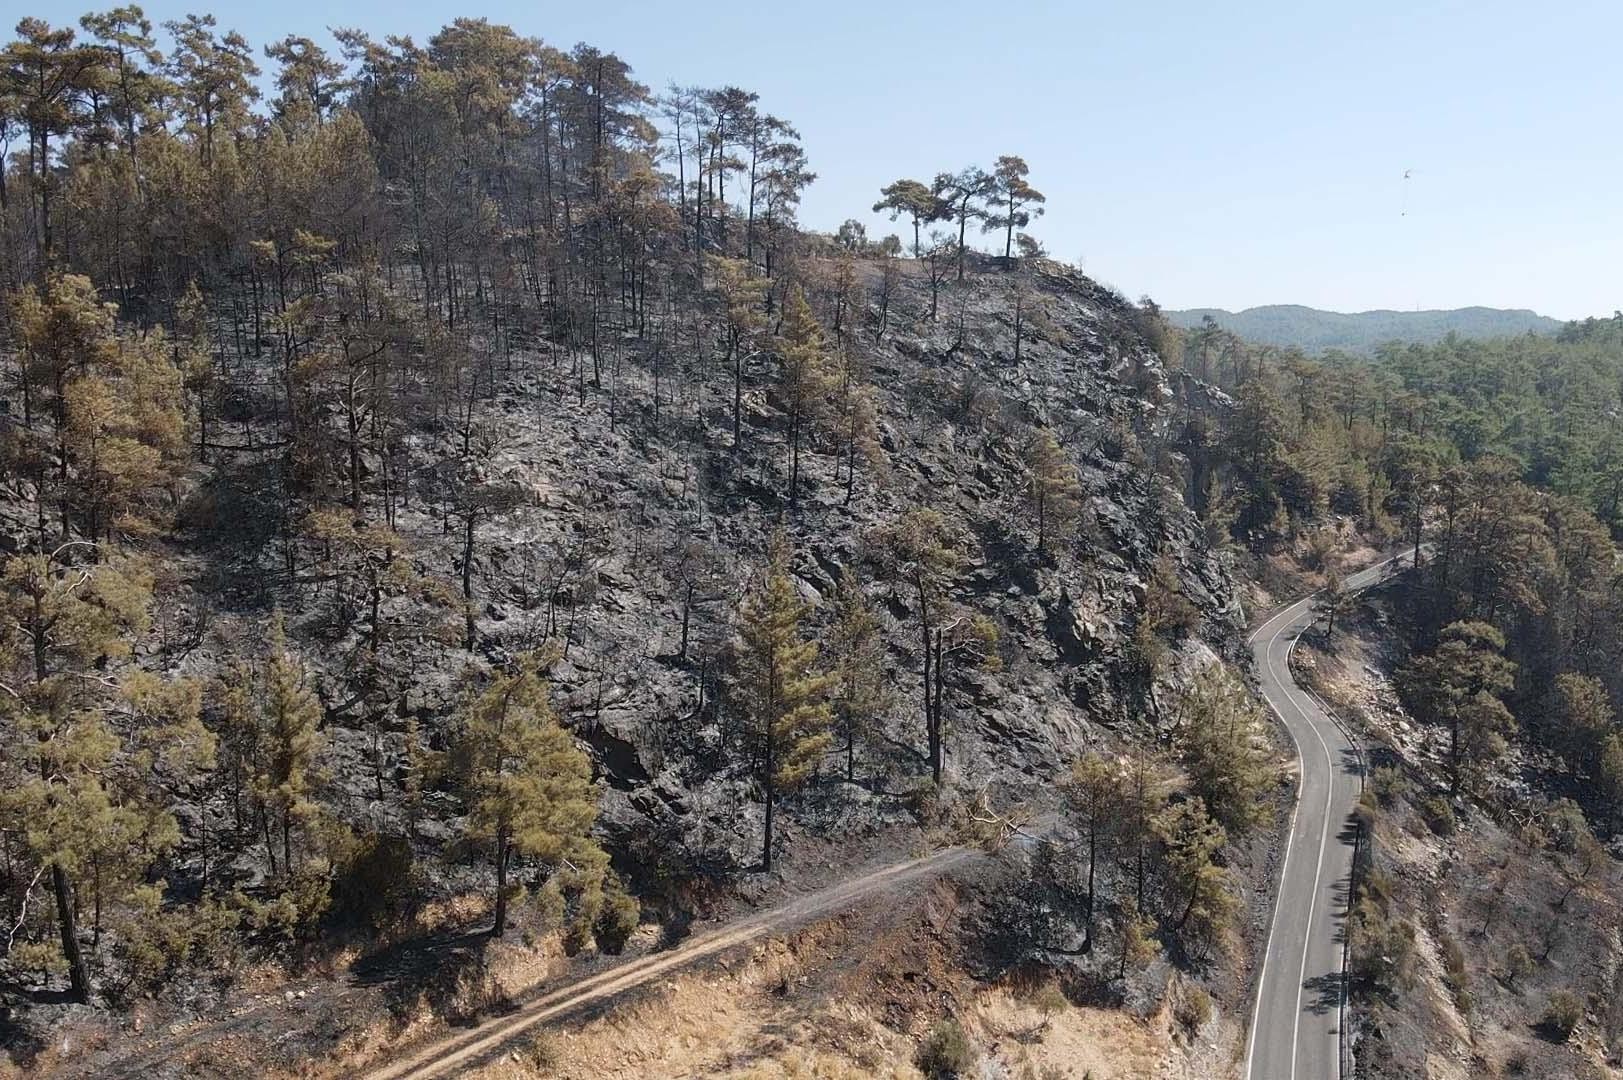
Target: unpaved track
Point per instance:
(451, 1055)
(1301, 992)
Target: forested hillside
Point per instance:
(450, 481)
(1493, 707)
(1503, 455)
(1295, 326)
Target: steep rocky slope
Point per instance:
(631, 527)
(626, 502)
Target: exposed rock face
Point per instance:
(639, 509)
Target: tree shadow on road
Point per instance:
(1325, 993)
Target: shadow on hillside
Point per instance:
(443, 972)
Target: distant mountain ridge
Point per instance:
(1313, 330)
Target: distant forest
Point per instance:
(1291, 325)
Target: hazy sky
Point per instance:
(1206, 154)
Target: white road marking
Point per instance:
(1289, 613)
(1290, 839)
(1318, 870)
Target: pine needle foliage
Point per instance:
(782, 692)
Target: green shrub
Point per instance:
(1453, 960)
(550, 903)
(540, 1053)
(1193, 1009)
(1320, 545)
(1382, 946)
(1562, 1014)
(618, 918)
(1049, 999)
(1389, 785)
(946, 1052)
(154, 944)
(292, 915)
(1438, 815)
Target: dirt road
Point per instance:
(451, 1055)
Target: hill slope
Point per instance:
(1311, 329)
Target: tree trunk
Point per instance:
(1087, 909)
(738, 388)
(467, 582)
(771, 799)
(794, 459)
(499, 926)
(963, 224)
(924, 621)
(687, 609)
(67, 923)
(850, 750)
(937, 753)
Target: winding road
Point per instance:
(1301, 993)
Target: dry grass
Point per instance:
(790, 1011)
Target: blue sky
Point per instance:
(1206, 154)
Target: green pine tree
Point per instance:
(1221, 742)
(784, 696)
(61, 625)
(528, 788)
(1460, 684)
(289, 740)
(1055, 495)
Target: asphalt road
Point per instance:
(1296, 1025)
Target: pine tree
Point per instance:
(1223, 745)
(1580, 720)
(1333, 600)
(1020, 201)
(1137, 941)
(783, 696)
(1411, 470)
(1145, 787)
(1055, 495)
(61, 625)
(740, 295)
(1460, 684)
(914, 200)
(962, 196)
(125, 436)
(1254, 444)
(213, 76)
(1095, 806)
(527, 786)
(1191, 841)
(939, 258)
(62, 331)
(919, 550)
(289, 740)
(805, 380)
(854, 418)
(171, 755)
